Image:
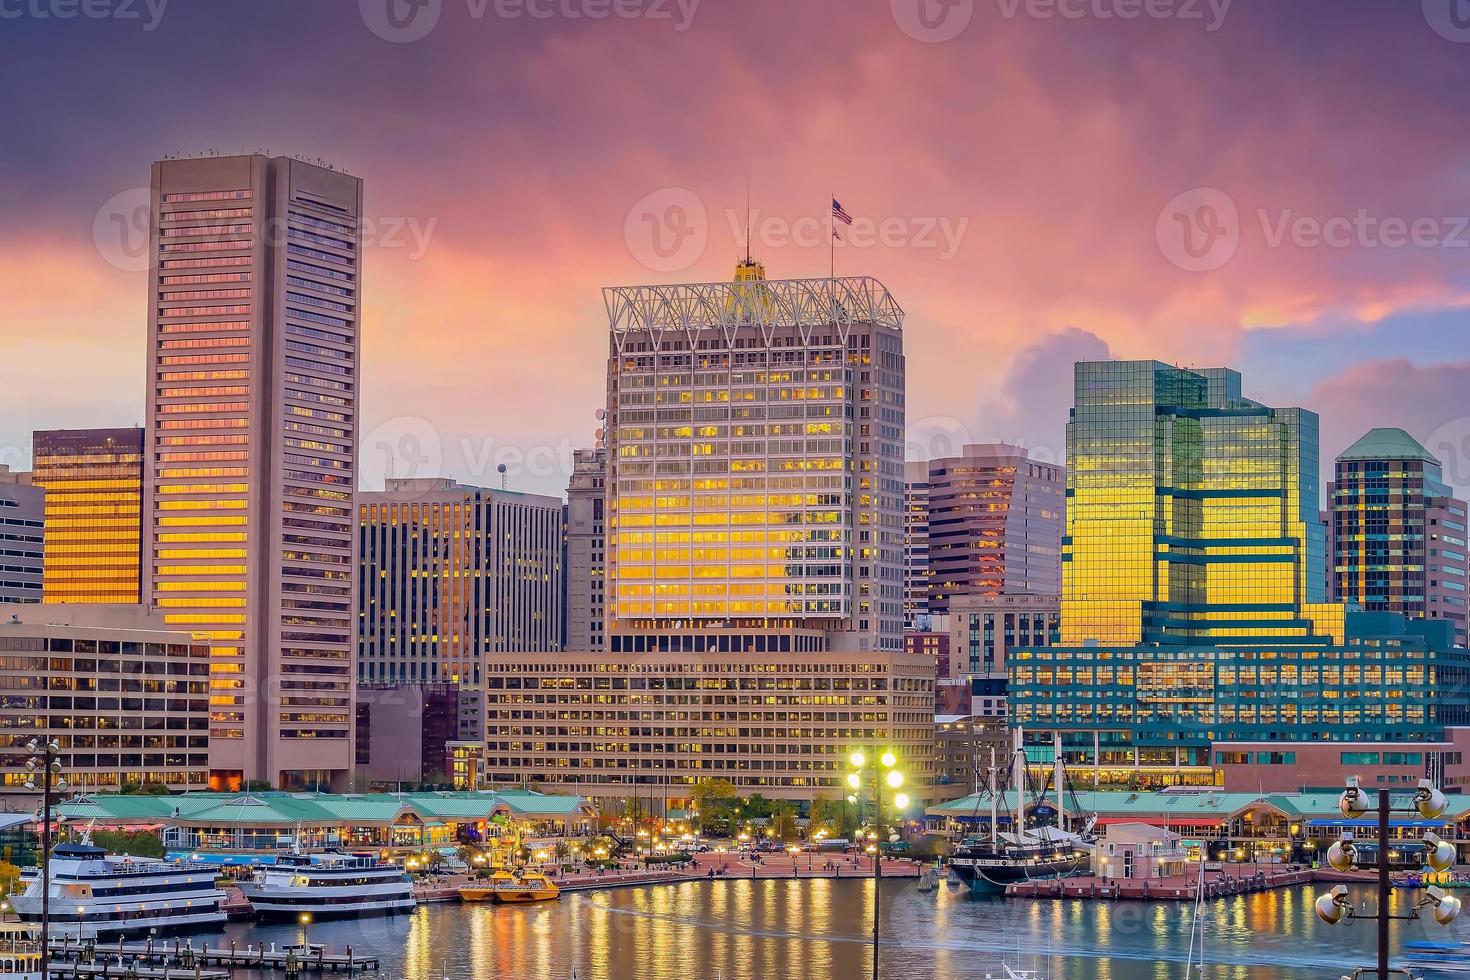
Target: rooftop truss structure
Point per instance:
(724, 307)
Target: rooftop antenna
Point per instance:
(747, 217)
(501, 470)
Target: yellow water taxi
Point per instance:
(532, 886)
(484, 891)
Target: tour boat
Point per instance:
(328, 885)
(485, 892)
(94, 893)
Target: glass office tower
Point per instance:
(1191, 512)
(94, 504)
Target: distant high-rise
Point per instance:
(251, 452)
(22, 537)
(1397, 531)
(755, 465)
(451, 574)
(94, 513)
(995, 524)
(586, 564)
(915, 541)
(1192, 513)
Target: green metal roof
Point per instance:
(1115, 804)
(1387, 444)
(282, 809)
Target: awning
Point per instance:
(226, 860)
(1373, 824)
(1157, 822)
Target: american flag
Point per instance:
(839, 213)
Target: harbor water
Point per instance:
(815, 929)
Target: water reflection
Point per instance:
(753, 930)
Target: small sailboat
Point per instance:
(1194, 964)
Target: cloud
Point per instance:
(1430, 402)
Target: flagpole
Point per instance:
(832, 238)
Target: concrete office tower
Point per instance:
(452, 574)
(1397, 531)
(251, 452)
(22, 537)
(755, 466)
(585, 564)
(1193, 513)
(94, 513)
(995, 524)
(915, 541)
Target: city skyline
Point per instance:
(1059, 262)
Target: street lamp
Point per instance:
(44, 770)
(883, 770)
(1334, 906)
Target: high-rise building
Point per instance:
(127, 701)
(586, 564)
(251, 448)
(1192, 512)
(22, 537)
(1192, 610)
(94, 513)
(452, 574)
(1397, 531)
(995, 524)
(915, 541)
(755, 465)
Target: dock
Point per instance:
(1179, 888)
(166, 960)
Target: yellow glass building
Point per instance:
(93, 480)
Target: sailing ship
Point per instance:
(988, 864)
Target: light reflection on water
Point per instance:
(817, 929)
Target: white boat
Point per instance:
(328, 885)
(94, 893)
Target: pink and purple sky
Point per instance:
(1274, 186)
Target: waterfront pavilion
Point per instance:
(1235, 827)
(391, 822)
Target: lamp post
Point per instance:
(1332, 907)
(43, 765)
(884, 769)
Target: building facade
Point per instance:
(1192, 511)
(450, 574)
(586, 562)
(94, 513)
(22, 537)
(1397, 531)
(755, 465)
(995, 524)
(620, 725)
(251, 449)
(915, 542)
(983, 629)
(405, 733)
(127, 701)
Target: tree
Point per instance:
(783, 822)
(139, 843)
(756, 807)
(711, 797)
(9, 879)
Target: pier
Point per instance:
(167, 960)
(1237, 880)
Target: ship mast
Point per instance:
(1018, 782)
(994, 799)
(1059, 774)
